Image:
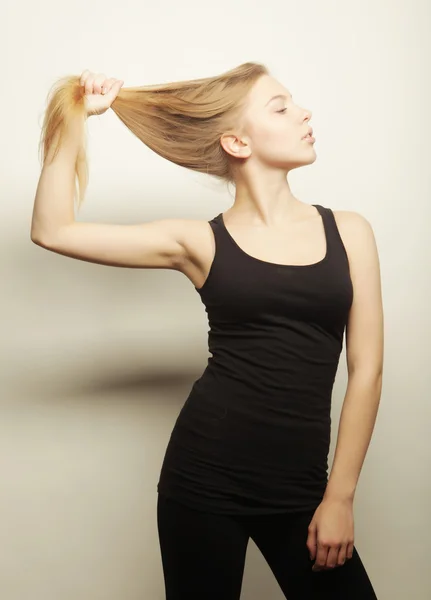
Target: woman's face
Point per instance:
(272, 128)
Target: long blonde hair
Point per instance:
(180, 121)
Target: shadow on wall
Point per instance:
(72, 327)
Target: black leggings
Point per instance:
(203, 556)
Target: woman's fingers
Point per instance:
(107, 85)
(342, 555)
(100, 91)
(94, 83)
(84, 76)
(98, 82)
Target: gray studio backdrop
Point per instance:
(97, 361)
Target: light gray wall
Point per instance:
(96, 362)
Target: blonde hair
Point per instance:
(180, 121)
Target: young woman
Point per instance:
(281, 281)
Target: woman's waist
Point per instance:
(292, 380)
(247, 440)
(213, 399)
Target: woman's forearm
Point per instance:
(55, 193)
(357, 421)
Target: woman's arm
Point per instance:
(164, 243)
(364, 350)
(54, 201)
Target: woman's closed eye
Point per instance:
(282, 110)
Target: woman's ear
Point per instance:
(233, 145)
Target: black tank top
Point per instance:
(253, 435)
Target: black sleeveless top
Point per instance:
(253, 435)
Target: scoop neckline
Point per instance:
(265, 262)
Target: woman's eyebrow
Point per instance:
(276, 97)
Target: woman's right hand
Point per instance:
(100, 91)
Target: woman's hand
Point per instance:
(331, 534)
(100, 91)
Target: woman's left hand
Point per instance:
(331, 534)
